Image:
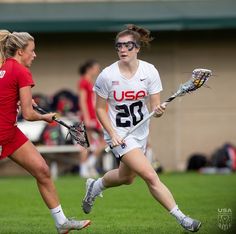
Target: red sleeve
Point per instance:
(25, 78)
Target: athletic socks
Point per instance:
(177, 213)
(98, 186)
(92, 159)
(84, 170)
(88, 167)
(58, 215)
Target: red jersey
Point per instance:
(87, 86)
(13, 76)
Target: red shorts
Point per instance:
(10, 147)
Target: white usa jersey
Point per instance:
(127, 97)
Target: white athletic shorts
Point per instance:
(130, 143)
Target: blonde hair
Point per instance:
(11, 42)
(140, 35)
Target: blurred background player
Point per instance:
(88, 72)
(17, 52)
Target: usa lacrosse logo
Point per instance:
(224, 218)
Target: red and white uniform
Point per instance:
(13, 76)
(127, 97)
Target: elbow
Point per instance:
(27, 116)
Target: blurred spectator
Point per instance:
(88, 73)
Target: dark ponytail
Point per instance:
(140, 35)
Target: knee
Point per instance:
(128, 180)
(151, 178)
(42, 172)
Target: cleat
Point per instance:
(189, 224)
(89, 198)
(72, 224)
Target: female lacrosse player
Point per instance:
(17, 54)
(126, 85)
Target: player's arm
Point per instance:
(155, 105)
(101, 105)
(27, 108)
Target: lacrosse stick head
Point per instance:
(78, 133)
(199, 77)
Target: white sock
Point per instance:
(177, 213)
(92, 160)
(58, 215)
(84, 172)
(98, 186)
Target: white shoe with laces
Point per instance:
(72, 224)
(189, 224)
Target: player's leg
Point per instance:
(88, 157)
(124, 174)
(113, 178)
(95, 152)
(83, 163)
(137, 162)
(98, 152)
(29, 158)
(116, 177)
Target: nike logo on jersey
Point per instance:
(2, 73)
(143, 79)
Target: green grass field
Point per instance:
(123, 210)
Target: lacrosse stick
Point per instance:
(199, 78)
(77, 132)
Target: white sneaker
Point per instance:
(189, 224)
(89, 198)
(72, 224)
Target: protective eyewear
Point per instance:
(129, 45)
